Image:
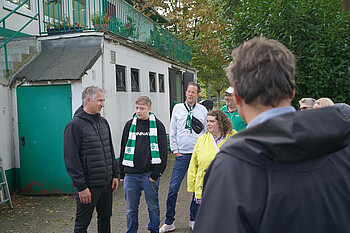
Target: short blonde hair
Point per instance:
(144, 100)
(323, 102)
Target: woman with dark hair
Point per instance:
(207, 146)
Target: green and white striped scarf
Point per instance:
(153, 139)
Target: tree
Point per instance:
(314, 30)
(197, 23)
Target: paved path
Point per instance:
(45, 214)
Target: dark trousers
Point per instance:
(101, 198)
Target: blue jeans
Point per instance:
(101, 198)
(179, 171)
(133, 185)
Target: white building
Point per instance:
(126, 53)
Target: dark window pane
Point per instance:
(120, 73)
(135, 80)
(161, 82)
(152, 82)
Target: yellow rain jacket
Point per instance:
(203, 153)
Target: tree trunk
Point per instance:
(219, 91)
(207, 84)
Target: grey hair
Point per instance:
(90, 92)
(308, 101)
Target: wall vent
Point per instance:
(113, 57)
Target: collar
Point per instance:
(264, 116)
(190, 106)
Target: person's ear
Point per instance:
(293, 94)
(236, 98)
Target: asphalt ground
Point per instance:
(45, 214)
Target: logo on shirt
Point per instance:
(142, 134)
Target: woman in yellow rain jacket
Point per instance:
(207, 146)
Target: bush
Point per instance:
(314, 30)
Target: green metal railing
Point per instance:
(115, 17)
(6, 39)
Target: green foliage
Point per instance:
(314, 30)
(102, 18)
(196, 23)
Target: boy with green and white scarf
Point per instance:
(142, 161)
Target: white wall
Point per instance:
(119, 106)
(6, 128)
(76, 89)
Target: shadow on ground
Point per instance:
(44, 214)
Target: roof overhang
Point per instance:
(63, 59)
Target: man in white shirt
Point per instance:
(182, 141)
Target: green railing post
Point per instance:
(39, 24)
(133, 26)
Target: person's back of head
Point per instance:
(323, 102)
(262, 72)
(208, 104)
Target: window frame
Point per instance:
(152, 74)
(132, 71)
(123, 70)
(161, 90)
(23, 10)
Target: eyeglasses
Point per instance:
(228, 95)
(304, 108)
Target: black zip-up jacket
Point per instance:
(88, 151)
(142, 156)
(289, 174)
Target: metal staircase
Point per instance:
(19, 52)
(11, 62)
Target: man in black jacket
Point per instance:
(143, 157)
(287, 171)
(90, 161)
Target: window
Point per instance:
(120, 73)
(135, 80)
(27, 9)
(161, 82)
(19, 2)
(152, 82)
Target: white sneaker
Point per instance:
(191, 224)
(167, 228)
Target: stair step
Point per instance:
(19, 52)
(29, 41)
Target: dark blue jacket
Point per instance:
(88, 151)
(288, 174)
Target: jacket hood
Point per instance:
(293, 137)
(84, 115)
